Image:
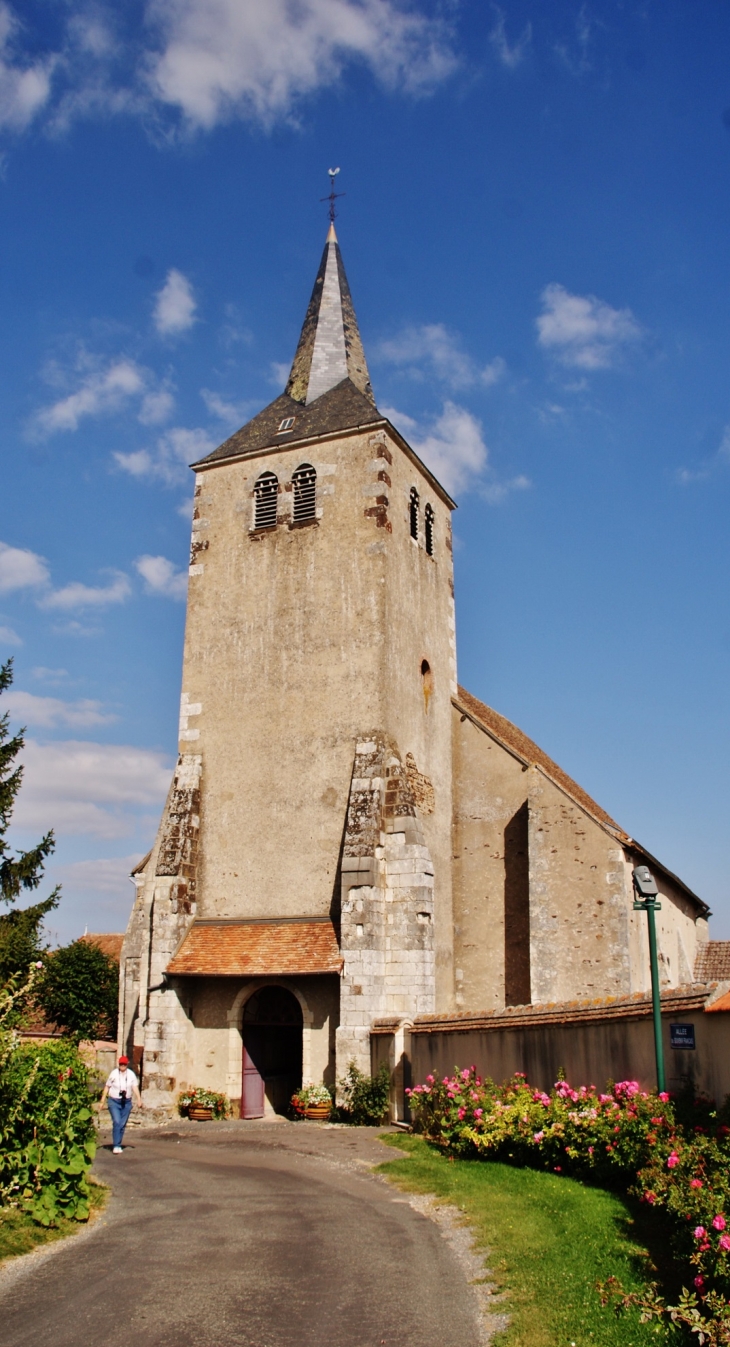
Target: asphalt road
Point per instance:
(248, 1235)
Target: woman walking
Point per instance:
(120, 1091)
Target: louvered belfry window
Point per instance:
(304, 482)
(413, 511)
(266, 494)
(428, 515)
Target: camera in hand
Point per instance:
(122, 1096)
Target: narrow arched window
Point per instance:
(304, 483)
(266, 495)
(413, 511)
(428, 515)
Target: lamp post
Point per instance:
(646, 901)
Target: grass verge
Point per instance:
(20, 1234)
(550, 1239)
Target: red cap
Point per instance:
(124, 1061)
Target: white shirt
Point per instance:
(121, 1080)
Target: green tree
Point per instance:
(79, 990)
(21, 940)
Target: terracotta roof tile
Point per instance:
(258, 948)
(722, 1003)
(109, 944)
(676, 1001)
(713, 961)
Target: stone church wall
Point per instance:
(543, 897)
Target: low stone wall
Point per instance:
(591, 1043)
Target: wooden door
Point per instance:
(252, 1094)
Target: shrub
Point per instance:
(673, 1154)
(365, 1099)
(47, 1140)
(79, 991)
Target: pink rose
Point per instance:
(478, 1112)
(724, 1242)
(538, 1136)
(699, 1232)
(697, 1183)
(461, 1114)
(699, 1282)
(664, 1097)
(718, 1222)
(673, 1160)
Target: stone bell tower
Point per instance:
(306, 840)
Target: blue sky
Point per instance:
(535, 230)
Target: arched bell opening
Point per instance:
(272, 1051)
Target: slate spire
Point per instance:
(330, 347)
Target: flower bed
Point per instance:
(673, 1154)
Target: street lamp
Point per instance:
(646, 901)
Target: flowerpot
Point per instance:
(318, 1111)
(200, 1113)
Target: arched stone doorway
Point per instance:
(272, 1051)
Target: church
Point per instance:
(350, 837)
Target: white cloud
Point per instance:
(157, 407)
(209, 61)
(169, 461)
(721, 459)
(9, 637)
(432, 346)
(227, 58)
(496, 492)
(49, 712)
(162, 577)
(576, 57)
(455, 451)
(234, 413)
(279, 375)
(21, 569)
(24, 89)
(78, 787)
(509, 54)
(77, 595)
(46, 675)
(582, 331)
(175, 305)
(101, 391)
(109, 875)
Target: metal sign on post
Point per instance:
(646, 894)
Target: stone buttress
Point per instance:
(387, 907)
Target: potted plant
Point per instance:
(313, 1101)
(202, 1105)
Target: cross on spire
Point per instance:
(333, 195)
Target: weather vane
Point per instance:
(333, 194)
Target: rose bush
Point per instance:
(673, 1154)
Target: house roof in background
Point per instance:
(109, 944)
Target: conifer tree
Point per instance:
(20, 930)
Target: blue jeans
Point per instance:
(120, 1116)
